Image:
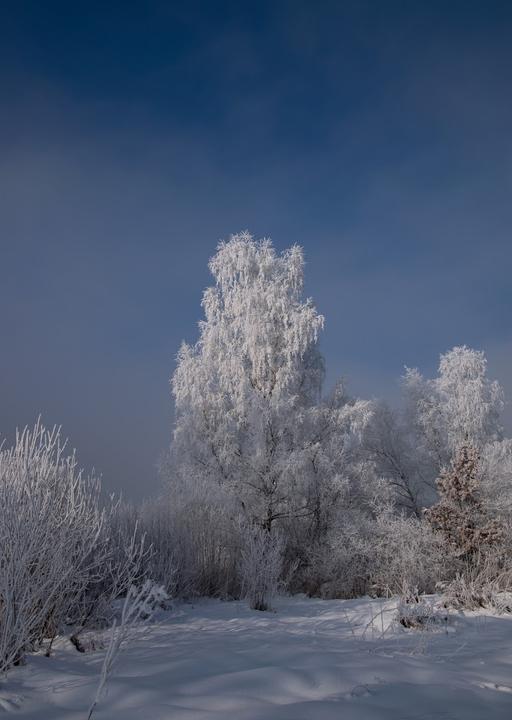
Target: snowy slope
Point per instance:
(310, 660)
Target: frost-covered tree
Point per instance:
(459, 515)
(410, 446)
(496, 477)
(249, 415)
(460, 406)
(475, 544)
(389, 445)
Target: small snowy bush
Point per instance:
(420, 614)
(261, 566)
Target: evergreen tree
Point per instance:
(460, 515)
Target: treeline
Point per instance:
(269, 484)
(262, 458)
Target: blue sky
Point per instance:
(133, 136)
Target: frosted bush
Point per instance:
(50, 523)
(261, 566)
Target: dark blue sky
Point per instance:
(133, 136)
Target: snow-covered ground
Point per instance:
(310, 660)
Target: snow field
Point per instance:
(309, 660)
